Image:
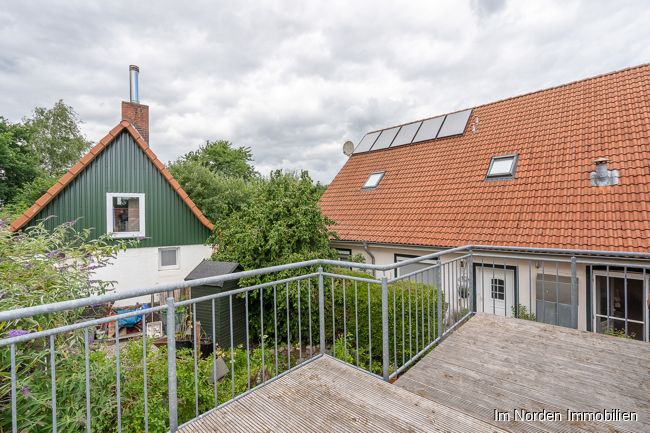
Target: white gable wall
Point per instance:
(138, 268)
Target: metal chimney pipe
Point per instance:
(134, 71)
(601, 168)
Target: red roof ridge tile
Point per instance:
(86, 159)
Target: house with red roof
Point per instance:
(545, 185)
(122, 189)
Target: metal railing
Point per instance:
(590, 290)
(381, 323)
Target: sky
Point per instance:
(293, 80)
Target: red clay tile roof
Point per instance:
(89, 157)
(434, 193)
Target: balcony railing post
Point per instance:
(470, 281)
(171, 365)
(321, 310)
(439, 293)
(384, 326)
(574, 294)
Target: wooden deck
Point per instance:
(488, 363)
(329, 396)
(499, 363)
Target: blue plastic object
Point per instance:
(130, 322)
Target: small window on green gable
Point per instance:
(125, 215)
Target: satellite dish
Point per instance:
(348, 148)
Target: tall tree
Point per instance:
(222, 157)
(56, 137)
(282, 223)
(218, 177)
(18, 164)
(216, 194)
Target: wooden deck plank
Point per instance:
(488, 363)
(326, 395)
(500, 363)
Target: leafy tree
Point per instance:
(218, 177)
(56, 138)
(282, 223)
(216, 194)
(221, 157)
(27, 194)
(19, 163)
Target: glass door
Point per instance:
(619, 304)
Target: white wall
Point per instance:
(138, 267)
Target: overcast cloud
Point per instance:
(294, 80)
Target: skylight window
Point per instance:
(373, 180)
(502, 167)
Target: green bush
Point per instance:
(521, 312)
(38, 266)
(620, 333)
(34, 386)
(370, 331)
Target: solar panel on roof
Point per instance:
(367, 142)
(454, 124)
(406, 134)
(386, 138)
(429, 129)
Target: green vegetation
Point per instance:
(17, 160)
(218, 177)
(39, 267)
(521, 312)
(56, 138)
(282, 223)
(347, 307)
(34, 389)
(35, 152)
(620, 333)
(33, 273)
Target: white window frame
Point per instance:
(497, 290)
(178, 258)
(379, 176)
(109, 215)
(502, 175)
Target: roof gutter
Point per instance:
(511, 249)
(372, 257)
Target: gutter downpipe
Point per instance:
(372, 257)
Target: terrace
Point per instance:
(383, 348)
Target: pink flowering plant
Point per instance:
(39, 266)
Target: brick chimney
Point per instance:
(134, 112)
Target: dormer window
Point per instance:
(373, 180)
(502, 167)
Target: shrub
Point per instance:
(620, 333)
(521, 312)
(38, 266)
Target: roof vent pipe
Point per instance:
(134, 71)
(602, 176)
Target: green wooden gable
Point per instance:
(123, 167)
